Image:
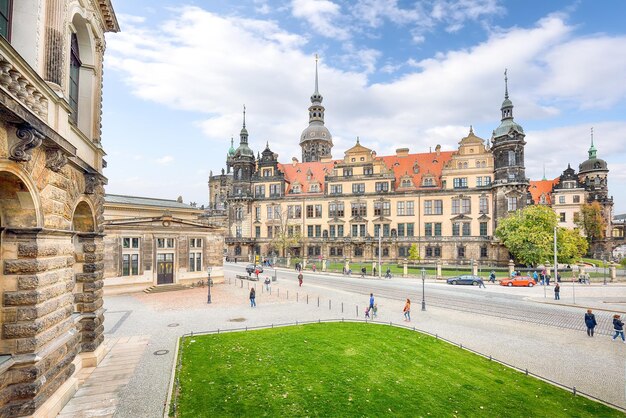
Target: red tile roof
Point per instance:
(542, 187)
(428, 163)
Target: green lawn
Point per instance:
(357, 369)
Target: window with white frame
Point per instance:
(511, 203)
(195, 254)
(165, 242)
(130, 256)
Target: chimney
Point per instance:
(402, 152)
(438, 149)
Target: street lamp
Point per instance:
(423, 295)
(209, 283)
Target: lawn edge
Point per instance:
(168, 402)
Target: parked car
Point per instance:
(466, 279)
(251, 268)
(518, 281)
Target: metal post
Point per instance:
(604, 262)
(423, 289)
(208, 270)
(556, 264)
(380, 243)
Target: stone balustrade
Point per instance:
(18, 80)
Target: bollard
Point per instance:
(246, 328)
(278, 294)
(242, 283)
(329, 304)
(287, 294)
(296, 322)
(272, 325)
(357, 311)
(318, 301)
(436, 337)
(192, 333)
(341, 310)
(574, 390)
(489, 358)
(526, 372)
(461, 345)
(307, 298)
(218, 330)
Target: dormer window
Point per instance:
(406, 183)
(416, 168)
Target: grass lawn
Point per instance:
(357, 369)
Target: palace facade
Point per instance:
(447, 203)
(51, 199)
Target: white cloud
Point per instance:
(322, 15)
(255, 62)
(166, 159)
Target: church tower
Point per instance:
(243, 163)
(510, 183)
(316, 141)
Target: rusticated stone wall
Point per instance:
(51, 275)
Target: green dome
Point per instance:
(506, 126)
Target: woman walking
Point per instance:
(618, 326)
(590, 321)
(557, 291)
(252, 298)
(407, 310)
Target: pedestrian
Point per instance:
(375, 311)
(481, 284)
(618, 326)
(548, 280)
(363, 271)
(374, 272)
(535, 276)
(388, 275)
(343, 270)
(371, 301)
(256, 273)
(590, 321)
(492, 276)
(267, 283)
(300, 279)
(558, 277)
(252, 298)
(557, 292)
(407, 310)
(313, 267)
(367, 312)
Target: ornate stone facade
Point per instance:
(51, 231)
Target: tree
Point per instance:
(414, 254)
(592, 222)
(528, 234)
(283, 238)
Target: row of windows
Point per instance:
(403, 251)
(131, 247)
(360, 230)
(381, 208)
(133, 243)
(575, 199)
(461, 182)
(259, 190)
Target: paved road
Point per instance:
(496, 301)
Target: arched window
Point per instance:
(74, 77)
(511, 157)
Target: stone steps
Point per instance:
(165, 288)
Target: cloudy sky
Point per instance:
(394, 73)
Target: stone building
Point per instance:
(152, 242)
(445, 202)
(51, 198)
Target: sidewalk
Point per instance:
(139, 381)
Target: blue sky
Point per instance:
(394, 73)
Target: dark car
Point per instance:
(251, 268)
(467, 279)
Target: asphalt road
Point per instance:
(495, 300)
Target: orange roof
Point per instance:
(538, 188)
(428, 163)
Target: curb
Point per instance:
(571, 305)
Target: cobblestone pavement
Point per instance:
(564, 355)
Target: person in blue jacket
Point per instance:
(618, 326)
(590, 321)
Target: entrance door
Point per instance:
(165, 268)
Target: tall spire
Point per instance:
(592, 149)
(316, 86)
(544, 172)
(316, 98)
(243, 135)
(506, 85)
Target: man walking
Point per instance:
(492, 276)
(618, 326)
(371, 301)
(300, 279)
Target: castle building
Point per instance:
(447, 203)
(51, 199)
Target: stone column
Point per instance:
(304, 260)
(37, 328)
(405, 268)
(55, 52)
(373, 267)
(324, 264)
(474, 267)
(88, 299)
(439, 275)
(289, 261)
(613, 272)
(347, 264)
(511, 267)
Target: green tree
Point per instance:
(283, 238)
(527, 234)
(414, 254)
(591, 221)
(571, 245)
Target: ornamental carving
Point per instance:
(91, 183)
(28, 139)
(55, 159)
